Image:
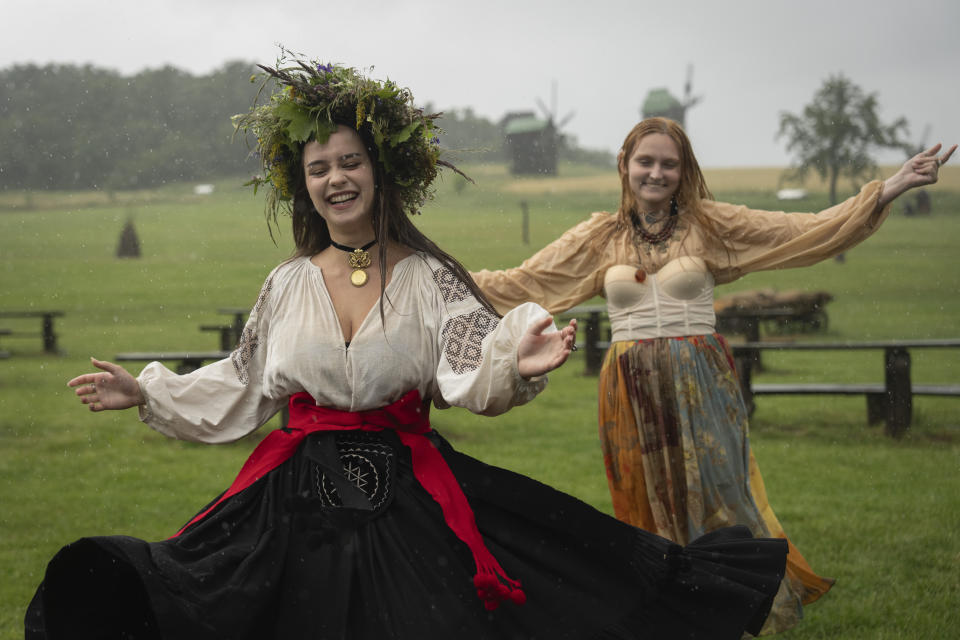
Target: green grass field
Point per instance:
(881, 516)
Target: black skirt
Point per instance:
(285, 558)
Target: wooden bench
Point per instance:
(890, 401)
(227, 333)
(780, 312)
(188, 360)
(746, 322)
(46, 332)
(239, 316)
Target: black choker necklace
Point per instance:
(359, 260)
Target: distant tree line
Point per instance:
(83, 127)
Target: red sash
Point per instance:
(410, 419)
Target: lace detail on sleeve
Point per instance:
(462, 336)
(243, 354)
(264, 293)
(451, 288)
(249, 339)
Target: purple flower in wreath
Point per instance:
(325, 68)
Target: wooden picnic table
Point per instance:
(239, 317)
(188, 360)
(46, 326)
(890, 401)
(229, 334)
(746, 322)
(792, 311)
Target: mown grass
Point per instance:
(881, 516)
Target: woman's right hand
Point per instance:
(539, 352)
(114, 388)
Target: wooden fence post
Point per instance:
(899, 394)
(525, 224)
(594, 354)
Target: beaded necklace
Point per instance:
(660, 236)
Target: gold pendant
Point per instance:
(358, 277)
(359, 259)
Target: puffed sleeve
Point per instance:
(478, 351)
(563, 274)
(758, 240)
(220, 402)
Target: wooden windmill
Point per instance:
(533, 142)
(660, 102)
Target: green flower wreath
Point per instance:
(309, 98)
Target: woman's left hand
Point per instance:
(540, 352)
(920, 170)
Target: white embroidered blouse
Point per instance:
(436, 338)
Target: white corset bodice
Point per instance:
(675, 301)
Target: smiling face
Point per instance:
(339, 179)
(653, 171)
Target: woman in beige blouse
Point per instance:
(673, 426)
(356, 519)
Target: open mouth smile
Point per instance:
(340, 198)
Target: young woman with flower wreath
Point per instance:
(672, 420)
(356, 520)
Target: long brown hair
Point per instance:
(390, 222)
(692, 189)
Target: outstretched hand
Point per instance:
(114, 388)
(539, 353)
(918, 171)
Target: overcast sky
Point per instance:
(751, 59)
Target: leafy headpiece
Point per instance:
(310, 99)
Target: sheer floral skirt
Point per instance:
(674, 433)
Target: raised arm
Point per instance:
(563, 274)
(918, 171)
